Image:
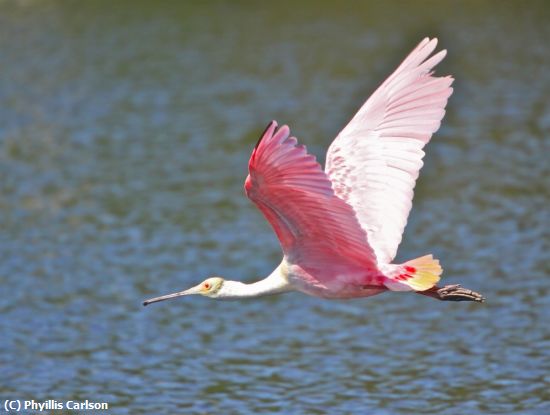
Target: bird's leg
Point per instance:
(452, 293)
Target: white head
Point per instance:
(210, 287)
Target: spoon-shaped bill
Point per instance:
(193, 290)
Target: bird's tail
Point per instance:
(418, 274)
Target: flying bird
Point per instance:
(339, 228)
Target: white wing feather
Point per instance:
(374, 162)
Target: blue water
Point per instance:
(125, 132)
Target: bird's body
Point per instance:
(339, 228)
(343, 281)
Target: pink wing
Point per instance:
(374, 162)
(296, 197)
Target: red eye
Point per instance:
(207, 285)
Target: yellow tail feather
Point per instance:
(421, 273)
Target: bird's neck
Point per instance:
(275, 283)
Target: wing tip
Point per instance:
(432, 40)
(272, 125)
(429, 43)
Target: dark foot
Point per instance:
(453, 293)
(458, 293)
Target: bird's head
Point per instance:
(210, 287)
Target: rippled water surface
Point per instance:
(124, 136)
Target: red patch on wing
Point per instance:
(403, 277)
(410, 269)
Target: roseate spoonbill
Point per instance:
(339, 228)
